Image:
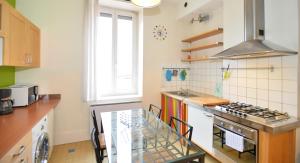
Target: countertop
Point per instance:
(207, 102)
(16, 125)
(200, 99)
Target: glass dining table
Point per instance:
(138, 136)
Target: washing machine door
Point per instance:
(42, 149)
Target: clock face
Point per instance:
(160, 32)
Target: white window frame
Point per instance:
(135, 63)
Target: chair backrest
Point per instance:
(155, 110)
(177, 124)
(96, 145)
(95, 121)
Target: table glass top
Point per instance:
(139, 136)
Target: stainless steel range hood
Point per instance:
(255, 46)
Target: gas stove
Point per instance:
(250, 112)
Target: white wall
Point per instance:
(61, 24)
(159, 53)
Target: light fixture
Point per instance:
(146, 3)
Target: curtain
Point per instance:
(89, 88)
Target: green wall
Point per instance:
(12, 2)
(7, 74)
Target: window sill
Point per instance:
(117, 100)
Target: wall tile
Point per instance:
(262, 84)
(275, 106)
(289, 86)
(251, 101)
(251, 93)
(289, 73)
(251, 63)
(233, 81)
(275, 85)
(290, 61)
(251, 73)
(289, 98)
(290, 109)
(242, 73)
(242, 91)
(251, 83)
(242, 99)
(242, 63)
(275, 74)
(262, 94)
(263, 103)
(242, 82)
(262, 73)
(262, 62)
(233, 90)
(275, 96)
(275, 62)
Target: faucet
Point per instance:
(184, 91)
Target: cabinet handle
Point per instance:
(21, 150)
(208, 115)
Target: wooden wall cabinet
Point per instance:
(21, 38)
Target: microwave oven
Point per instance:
(24, 94)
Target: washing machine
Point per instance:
(40, 142)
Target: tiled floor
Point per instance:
(83, 152)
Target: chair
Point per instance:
(100, 135)
(96, 145)
(188, 133)
(155, 110)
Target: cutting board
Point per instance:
(208, 100)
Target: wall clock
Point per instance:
(160, 32)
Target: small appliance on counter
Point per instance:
(6, 103)
(24, 94)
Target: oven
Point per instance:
(236, 141)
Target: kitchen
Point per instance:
(62, 52)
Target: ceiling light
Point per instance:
(146, 3)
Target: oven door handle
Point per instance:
(245, 138)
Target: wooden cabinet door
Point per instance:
(16, 39)
(32, 45)
(3, 18)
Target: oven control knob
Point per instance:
(227, 110)
(239, 131)
(222, 123)
(240, 113)
(245, 115)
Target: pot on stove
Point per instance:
(6, 103)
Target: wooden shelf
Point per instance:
(203, 35)
(203, 58)
(202, 47)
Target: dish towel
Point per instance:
(234, 141)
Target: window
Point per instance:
(116, 48)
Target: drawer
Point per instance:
(20, 151)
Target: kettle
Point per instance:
(6, 103)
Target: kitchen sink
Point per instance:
(182, 93)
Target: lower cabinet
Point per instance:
(21, 152)
(202, 123)
(173, 107)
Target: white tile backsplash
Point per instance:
(275, 96)
(263, 84)
(275, 85)
(251, 81)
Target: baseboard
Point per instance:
(71, 137)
